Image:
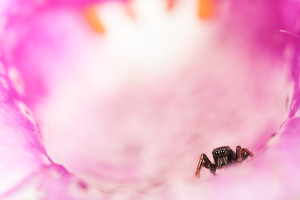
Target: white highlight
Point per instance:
(16, 80)
(26, 111)
(4, 83)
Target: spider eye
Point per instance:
(217, 153)
(222, 151)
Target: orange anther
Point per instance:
(170, 4)
(206, 9)
(129, 11)
(94, 20)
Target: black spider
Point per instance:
(223, 156)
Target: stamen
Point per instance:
(94, 20)
(206, 9)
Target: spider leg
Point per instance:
(205, 162)
(248, 152)
(197, 173)
(242, 154)
(238, 154)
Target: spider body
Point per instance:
(223, 156)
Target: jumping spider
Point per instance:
(223, 156)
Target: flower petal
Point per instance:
(21, 151)
(137, 105)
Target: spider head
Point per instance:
(222, 155)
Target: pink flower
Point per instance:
(118, 99)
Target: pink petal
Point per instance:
(21, 151)
(136, 106)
